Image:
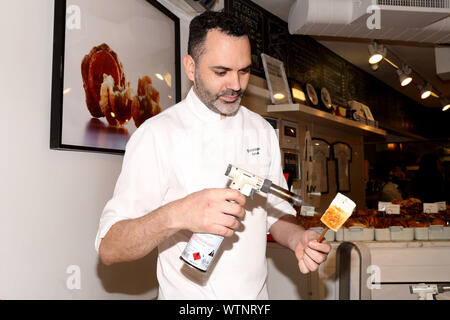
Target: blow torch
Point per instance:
(202, 247)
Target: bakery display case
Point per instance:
(411, 223)
(405, 241)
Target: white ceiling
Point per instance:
(420, 57)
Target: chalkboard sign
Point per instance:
(307, 61)
(356, 84)
(304, 60)
(253, 16)
(333, 76)
(277, 44)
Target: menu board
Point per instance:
(304, 61)
(253, 16)
(277, 43)
(355, 84)
(307, 61)
(333, 76)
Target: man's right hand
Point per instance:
(216, 211)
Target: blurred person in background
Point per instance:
(390, 188)
(429, 184)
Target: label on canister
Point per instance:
(201, 250)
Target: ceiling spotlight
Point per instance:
(375, 66)
(425, 91)
(445, 104)
(404, 74)
(377, 52)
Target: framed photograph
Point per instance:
(277, 83)
(298, 93)
(115, 64)
(289, 135)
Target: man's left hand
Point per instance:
(310, 253)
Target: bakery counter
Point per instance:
(404, 220)
(386, 268)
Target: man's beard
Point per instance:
(213, 102)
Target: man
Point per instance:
(173, 183)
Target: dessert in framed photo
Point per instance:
(112, 70)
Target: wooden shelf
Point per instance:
(301, 112)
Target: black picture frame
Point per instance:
(57, 123)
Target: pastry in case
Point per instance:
(439, 228)
(357, 228)
(420, 226)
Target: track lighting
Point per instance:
(377, 52)
(425, 91)
(375, 66)
(404, 75)
(445, 104)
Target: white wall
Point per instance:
(51, 200)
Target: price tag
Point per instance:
(307, 211)
(382, 205)
(430, 208)
(442, 206)
(393, 208)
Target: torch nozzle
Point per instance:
(286, 195)
(247, 183)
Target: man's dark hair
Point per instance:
(209, 20)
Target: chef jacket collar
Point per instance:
(200, 109)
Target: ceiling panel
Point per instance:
(419, 56)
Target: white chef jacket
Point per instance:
(187, 148)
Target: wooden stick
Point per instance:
(322, 235)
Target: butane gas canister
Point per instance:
(201, 250)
